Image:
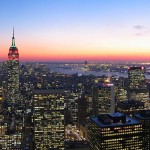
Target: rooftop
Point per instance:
(145, 114)
(127, 104)
(114, 119)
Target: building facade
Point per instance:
(103, 98)
(136, 77)
(48, 115)
(11, 124)
(114, 131)
(144, 118)
(130, 107)
(13, 74)
(138, 89)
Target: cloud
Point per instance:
(139, 27)
(140, 30)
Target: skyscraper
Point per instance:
(13, 74)
(114, 131)
(121, 89)
(136, 78)
(49, 119)
(103, 98)
(144, 118)
(11, 125)
(137, 85)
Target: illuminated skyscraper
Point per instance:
(137, 84)
(11, 125)
(121, 89)
(136, 78)
(114, 131)
(103, 98)
(49, 119)
(13, 74)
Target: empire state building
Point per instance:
(13, 74)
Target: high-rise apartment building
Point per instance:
(48, 115)
(114, 131)
(103, 98)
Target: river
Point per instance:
(80, 71)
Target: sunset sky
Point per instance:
(76, 30)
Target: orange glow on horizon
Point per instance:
(73, 54)
(80, 57)
(85, 57)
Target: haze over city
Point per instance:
(76, 30)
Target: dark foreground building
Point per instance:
(115, 131)
(144, 118)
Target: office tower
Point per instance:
(137, 85)
(130, 107)
(120, 89)
(144, 118)
(11, 133)
(121, 94)
(136, 78)
(103, 98)
(72, 106)
(141, 94)
(13, 74)
(82, 109)
(114, 131)
(48, 115)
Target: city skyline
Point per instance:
(78, 30)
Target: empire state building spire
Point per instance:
(14, 124)
(13, 50)
(13, 72)
(13, 40)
